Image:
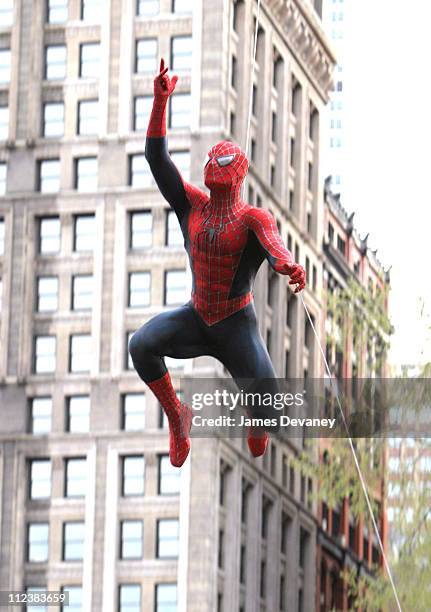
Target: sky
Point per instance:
(387, 85)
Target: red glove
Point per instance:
(296, 273)
(163, 88)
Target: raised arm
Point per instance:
(263, 224)
(165, 172)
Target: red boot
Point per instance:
(179, 418)
(257, 441)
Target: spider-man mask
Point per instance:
(226, 167)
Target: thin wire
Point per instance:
(358, 467)
(361, 478)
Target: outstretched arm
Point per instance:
(280, 259)
(165, 173)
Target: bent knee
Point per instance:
(140, 343)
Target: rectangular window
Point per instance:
(89, 60)
(82, 292)
(37, 542)
(81, 353)
(181, 53)
(179, 110)
(175, 287)
(84, 233)
(6, 13)
(2, 236)
(130, 598)
(143, 107)
(5, 65)
(40, 479)
(75, 598)
(4, 122)
(86, 173)
(53, 119)
(139, 289)
(131, 540)
(220, 551)
(140, 175)
(40, 415)
(254, 100)
(133, 476)
(57, 11)
(88, 117)
(232, 123)
(141, 225)
(310, 176)
(55, 62)
(146, 55)
(182, 161)
(148, 8)
(330, 233)
(128, 357)
(47, 293)
(91, 11)
(133, 412)
(182, 6)
(169, 477)
(3, 178)
(73, 541)
(234, 72)
(274, 127)
(292, 152)
(174, 236)
(76, 480)
(166, 597)
(167, 538)
(78, 414)
(314, 281)
(45, 354)
(49, 175)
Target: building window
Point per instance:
(166, 597)
(133, 412)
(40, 479)
(272, 175)
(40, 415)
(38, 542)
(254, 100)
(55, 62)
(146, 55)
(141, 230)
(139, 289)
(5, 65)
(75, 598)
(148, 8)
(78, 414)
(182, 6)
(181, 53)
(57, 11)
(45, 354)
(175, 287)
(274, 127)
(232, 123)
(262, 579)
(133, 476)
(89, 60)
(242, 564)
(49, 235)
(140, 175)
(88, 117)
(143, 107)
(182, 161)
(47, 294)
(220, 550)
(296, 98)
(131, 540)
(330, 233)
(3, 178)
(128, 357)
(234, 72)
(310, 176)
(314, 281)
(174, 236)
(169, 477)
(53, 119)
(73, 541)
(341, 245)
(49, 175)
(6, 14)
(81, 353)
(86, 173)
(2, 236)
(82, 292)
(84, 235)
(4, 122)
(292, 152)
(179, 110)
(75, 482)
(130, 598)
(91, 10)
(167, 538)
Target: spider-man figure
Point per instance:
(226, 241)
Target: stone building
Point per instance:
(89, 251)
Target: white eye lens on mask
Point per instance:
(225, 160)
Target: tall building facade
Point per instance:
(89, 251)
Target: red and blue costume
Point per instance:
(226, 241)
